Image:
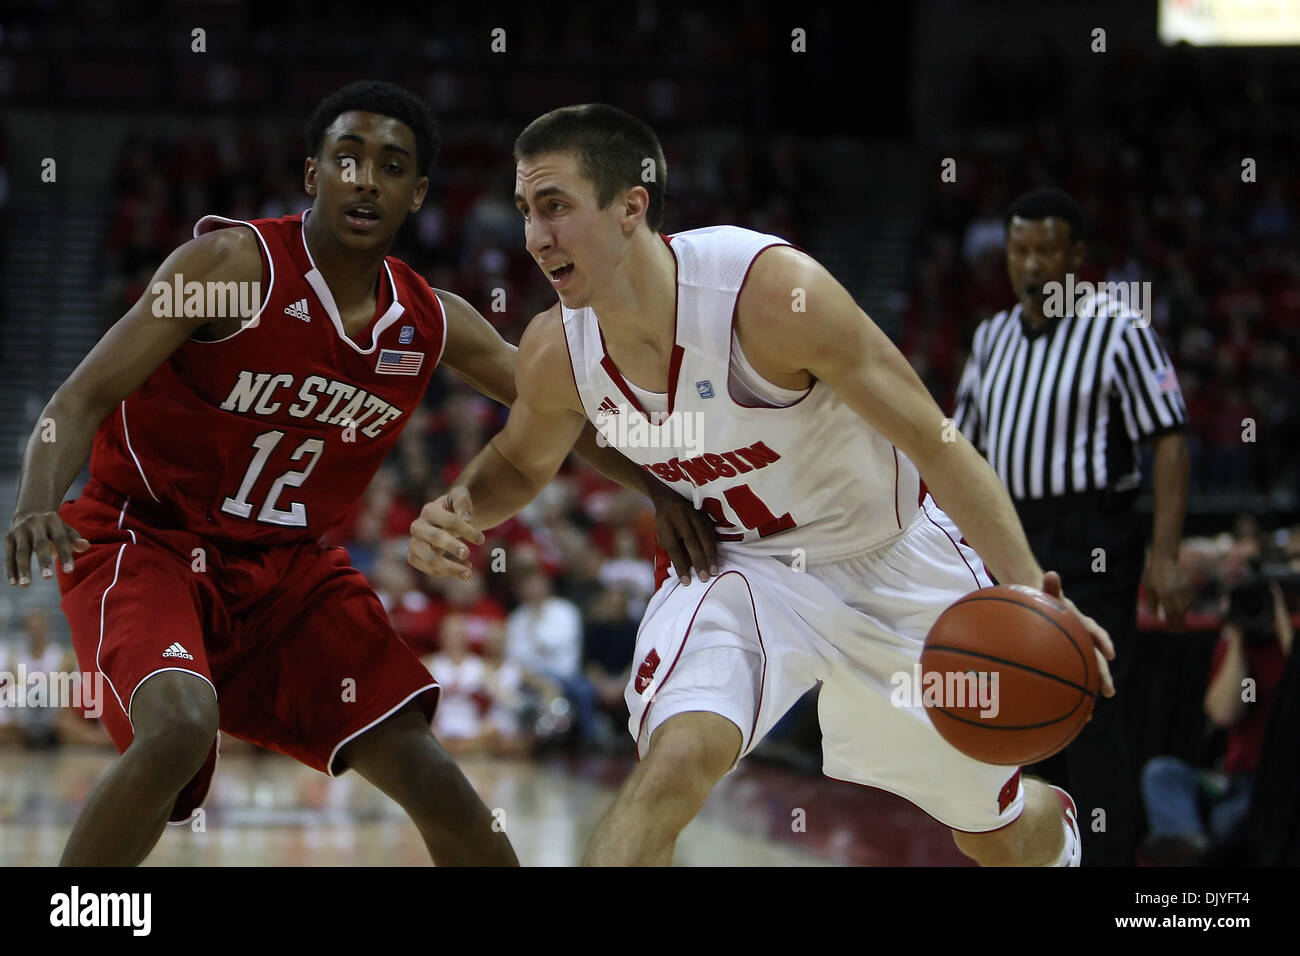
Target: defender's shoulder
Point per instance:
(225, 254)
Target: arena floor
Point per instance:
(267, 810)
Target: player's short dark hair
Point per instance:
(612, 148)
(386, 99)
(1044, 203)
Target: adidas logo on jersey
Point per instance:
(607, 407)
(177, 651)
(298, 310)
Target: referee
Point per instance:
(1056, 394)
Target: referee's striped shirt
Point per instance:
(1060, 411)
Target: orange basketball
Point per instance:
(1009, 675)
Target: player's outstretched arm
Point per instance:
(478, 354)
(127, 354)
(836, 342)
(545, 420)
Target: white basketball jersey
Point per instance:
(810, 476)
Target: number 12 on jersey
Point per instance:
(751, 511)
(296, 515)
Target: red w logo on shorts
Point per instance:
(646, 672)
(1008, 792)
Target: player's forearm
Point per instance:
(56, 452)
(969, 490)
(1223, 703)
(497, 488)
(616, 467)
(1170, 469)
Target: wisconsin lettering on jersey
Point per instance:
(709, 467)
(256, 392)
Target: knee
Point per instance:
(1160, 770)
(689, 759)
(175, 716)
(997, 848)
(1033, 838)
(404, 759)
(435, 770)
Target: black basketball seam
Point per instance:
(1002, 660)
(983, 726)
(1032, 760)
(969, 599)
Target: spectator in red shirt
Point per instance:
(1244, 677)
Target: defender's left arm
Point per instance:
(478, 354)
(836, 342)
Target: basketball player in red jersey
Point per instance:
(222, 449)
(811, 436)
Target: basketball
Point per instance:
(1009, 675)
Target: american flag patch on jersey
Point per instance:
(1167, 380)
(398, 362)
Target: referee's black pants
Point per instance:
(1098, 767)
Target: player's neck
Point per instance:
(639, 304)
(352, 276)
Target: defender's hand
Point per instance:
(44, 533)
(436, 536)
(687, 534)
(1105, 648)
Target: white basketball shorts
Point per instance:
(747, 644)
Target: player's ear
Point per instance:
(635, 204)
(421, 189)
(309, 176)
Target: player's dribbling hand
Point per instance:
(687, 535)
(437, 536)
(45, 534)
(1105, 647)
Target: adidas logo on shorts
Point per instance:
(177, 651)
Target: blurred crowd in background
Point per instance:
(1187, 181)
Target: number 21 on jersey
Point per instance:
(751, 511)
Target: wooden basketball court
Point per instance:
(267, 810)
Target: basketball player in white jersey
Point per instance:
(808, 440)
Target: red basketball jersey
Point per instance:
(269, 435)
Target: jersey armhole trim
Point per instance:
(573, 373)
(442, 316)
(269, 268)
(735, 313)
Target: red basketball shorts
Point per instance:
(295, 644)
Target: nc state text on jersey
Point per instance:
(255, 392)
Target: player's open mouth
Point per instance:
(363, 216)
(560, 273)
